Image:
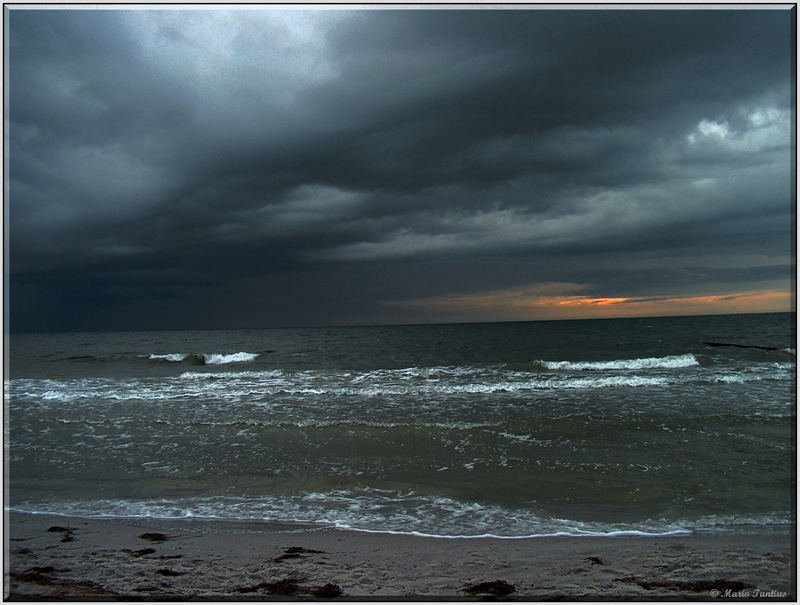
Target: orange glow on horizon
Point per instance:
(593, 301)
(560, 301)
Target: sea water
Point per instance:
(594, 427)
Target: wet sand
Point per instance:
(63, 558)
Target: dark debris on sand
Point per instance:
(291, 586)
(299, 549)
(691, 586)
(154, 537)
(328, 591)
(66, 532)
(498, 588)
(55, 588)
(294, 552)
(139, 553)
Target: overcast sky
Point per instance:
(253, 168)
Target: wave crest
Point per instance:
(222, 358)
(168, 356)
(205, 358)
(642, 363)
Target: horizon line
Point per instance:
(7, 333)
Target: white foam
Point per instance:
(208, 358)
(373, 510)
(610, 381)
(257, 376)
(169, 356)
(222, 358)
(557, 534)
(644, 363)
(776, 372)
(550, 384)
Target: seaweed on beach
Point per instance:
(328, 591)
(286, 586)
(60, 588)
(66, 532)
(299, 549)
(35, 573)
(294, 552)
(154, 537)
(139, 553)
(291, 586)
(498, 588)
(720, 585)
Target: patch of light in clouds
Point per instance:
(765, 128)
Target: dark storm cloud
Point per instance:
(257, 167)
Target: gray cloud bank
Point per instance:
(234, 168)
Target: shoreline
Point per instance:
(53, 557)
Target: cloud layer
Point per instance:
(220, 167)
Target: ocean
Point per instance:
(645, 426)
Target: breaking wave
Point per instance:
(169, 356)
(645, 363)
(221, 358)
(205, 358)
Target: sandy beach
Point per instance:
(63, 558)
